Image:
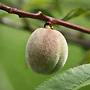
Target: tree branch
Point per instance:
(41, 16)
(82, 42)
(8, 22)
(11, 23)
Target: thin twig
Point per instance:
(41, 16)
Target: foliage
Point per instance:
(75, 13)
(71, 79)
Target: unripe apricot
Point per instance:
(46, 51)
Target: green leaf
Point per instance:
(71, 79)
(35, 4)
(76, 13)
(87, 57)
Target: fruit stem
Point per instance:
(48, 25)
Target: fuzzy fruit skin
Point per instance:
(46, 51)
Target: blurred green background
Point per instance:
(14, 34)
